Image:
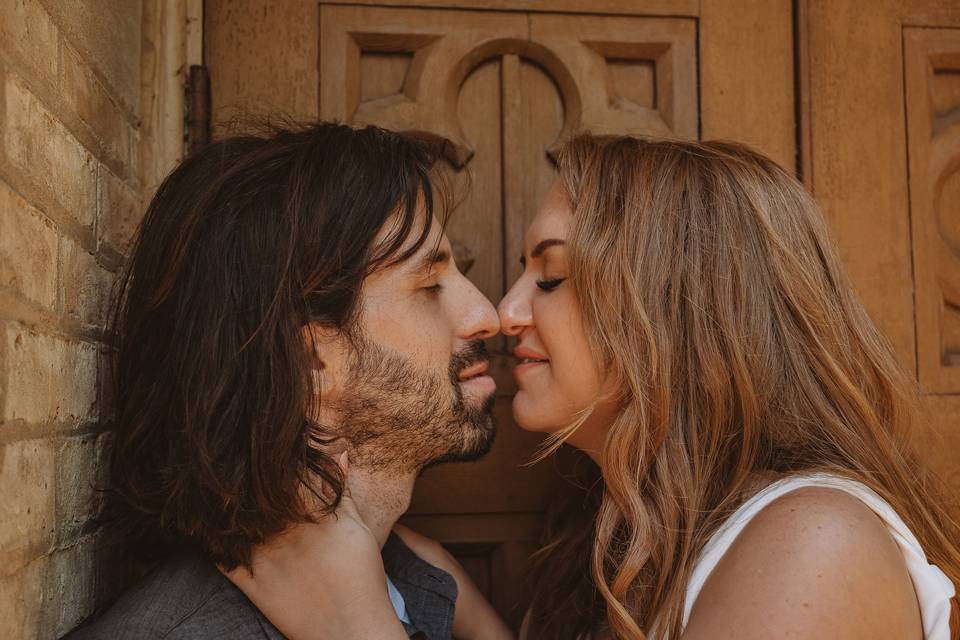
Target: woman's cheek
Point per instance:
(572, 367)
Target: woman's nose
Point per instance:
(515, 311)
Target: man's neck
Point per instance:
(381, 496)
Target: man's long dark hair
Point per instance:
(243, 244)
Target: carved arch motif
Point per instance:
(600, 66)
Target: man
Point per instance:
(291, 303)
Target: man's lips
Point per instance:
(474, 371)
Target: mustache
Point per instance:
(473, 352)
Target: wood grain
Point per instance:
(613, 7)
(747, 76)
(263, 58)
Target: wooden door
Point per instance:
(881, 114)
(506, 82)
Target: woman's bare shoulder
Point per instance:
(815, 563)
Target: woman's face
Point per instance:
(556, 375)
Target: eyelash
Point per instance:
(549, 285)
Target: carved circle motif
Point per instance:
(947, 207)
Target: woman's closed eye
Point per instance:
(549, 284)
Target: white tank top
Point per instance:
(934, 589)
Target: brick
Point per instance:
(27, 31)
(22, 601)
(28, 251)
(42, 148)
(26, 513)
(47, 378)
(112, 46)
(91, 100)
(120, 212)
(81, 475)
(85, 285)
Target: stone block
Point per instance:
(47, 378)
(81, 476)
(69, 587)
(27, 32)
(108, 36)
(106, 400)
(92, 102)
(85, 285)
(27, 510)
(120, 212)
(22, 601)
(38, 143)
(28, 250)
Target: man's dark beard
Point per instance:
(399, 416)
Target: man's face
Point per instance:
(414, 390)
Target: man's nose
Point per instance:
(481, 322)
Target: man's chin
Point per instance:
(481, 440)
(480, 430)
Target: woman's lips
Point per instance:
(528, 359)
(527, 365)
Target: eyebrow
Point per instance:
(440, 256)
(542, 246)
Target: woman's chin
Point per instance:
(533, 416)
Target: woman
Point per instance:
(683, 319)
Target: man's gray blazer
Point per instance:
(186, 598)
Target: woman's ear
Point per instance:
(326, 355)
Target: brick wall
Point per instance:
(70, 185)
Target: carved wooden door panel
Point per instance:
(932, 82)
(506, 86)
(883, 152)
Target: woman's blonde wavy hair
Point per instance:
(711, 292)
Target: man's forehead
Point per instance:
(435, 245)
(435, 250)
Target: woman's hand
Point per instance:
(323, 580)
(474, 617)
